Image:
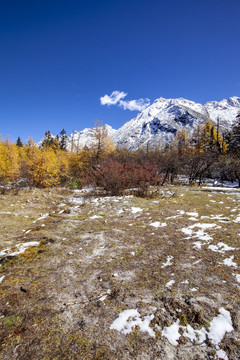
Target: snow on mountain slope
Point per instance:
(226, 110)
(80, 139)
(159, 123)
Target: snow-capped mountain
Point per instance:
(226, 110)
(159, 123)
(86, 137)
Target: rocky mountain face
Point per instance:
(158, 124)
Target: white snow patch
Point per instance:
(194, 214)
(170, 283)
(198, 244)
(157, 224)
(128, 319)
(79, 200)
(94, 217)
(229, 261)
(136, 209)
(237, 277)
(168, 262)
(18, 249)
(41, 218)
(1, 278)
(237, 220)
(181, 212)
(172, 333)
(222, 355)
(220, 247)
(173, 217)
(102, 298)
(219, 326)
(205, 226)
(187, 231)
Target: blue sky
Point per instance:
(59, 57)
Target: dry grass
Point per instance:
(50, 303)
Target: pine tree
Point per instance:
(48, 139)
(19, 142)
(63, 140)
(234, 147)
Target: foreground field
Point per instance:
(120, 277)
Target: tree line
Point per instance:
(206, 154)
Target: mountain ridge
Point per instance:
(158, 124)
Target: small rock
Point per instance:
(23, 290)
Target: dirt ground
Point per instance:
(172, 261)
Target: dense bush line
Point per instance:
(206, 154)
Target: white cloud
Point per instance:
(113, 99)
(139, 105)
(116, 99)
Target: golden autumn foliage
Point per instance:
(103, 143)
(9, 161)
(48, 167)
(209, 138)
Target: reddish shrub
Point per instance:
(114, 177)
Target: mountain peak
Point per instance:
(158, 124)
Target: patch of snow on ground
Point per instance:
(198, 244)
(237, 277)
(197, 262)
(172, 333)
(229, 261)
(157, 224)
(205, 226)
(219, 326)
(187, 231)
(222, 355)
(195, 214)
(220, 247)
(1, 278)
(237, 220)
(41, 218)
(173, 217)
(199, 234)
(170, 283)
(18, 249)
(136, 209)
(168, 262)
(128, 319)
(181, 212)
(94, 217)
